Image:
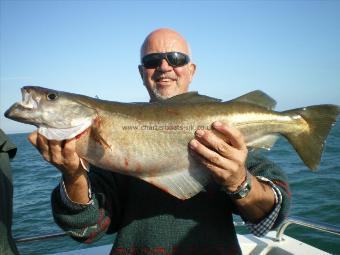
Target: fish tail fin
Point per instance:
(309, 143)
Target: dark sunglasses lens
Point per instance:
(152, 60)
(177, 59)
(174, 59)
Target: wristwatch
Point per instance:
(243, 190)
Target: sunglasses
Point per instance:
(174, 59)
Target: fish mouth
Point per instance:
(28, 102)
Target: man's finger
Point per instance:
(55, 146)
(216, 142)
(55, 151)
(218, 172)
(235, 136)
(69, 148)
(32, 138)
(42, 141)
(211, 155)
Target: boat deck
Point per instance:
(274, 243)
(250, 245)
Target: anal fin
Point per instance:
(182, 184)
(264, 142)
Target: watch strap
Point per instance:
(243, 190)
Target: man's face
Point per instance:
(166, 81)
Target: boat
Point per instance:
(275, 242)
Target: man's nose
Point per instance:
(164, 66)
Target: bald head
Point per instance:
(164, 40)
(165, 80)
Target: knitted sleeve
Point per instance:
(89, 222)
(258, 165)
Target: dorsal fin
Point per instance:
(189, 97)
(257, 97)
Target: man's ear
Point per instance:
(140, 69)
(192, 70)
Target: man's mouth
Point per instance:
(164, 80)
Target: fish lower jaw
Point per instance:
(17, 112)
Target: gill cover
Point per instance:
(65, 116)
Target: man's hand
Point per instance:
(224, 153)
(63, 155)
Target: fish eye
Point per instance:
(51, 96)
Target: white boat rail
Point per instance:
(39, 237)
(323, 227)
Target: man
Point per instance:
(149, 221)
(7, 152)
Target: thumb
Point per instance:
(32, 138)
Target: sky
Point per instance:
(288, 49)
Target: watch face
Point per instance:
(244, 192)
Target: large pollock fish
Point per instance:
(150, 140)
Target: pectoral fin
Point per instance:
(98, 138)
